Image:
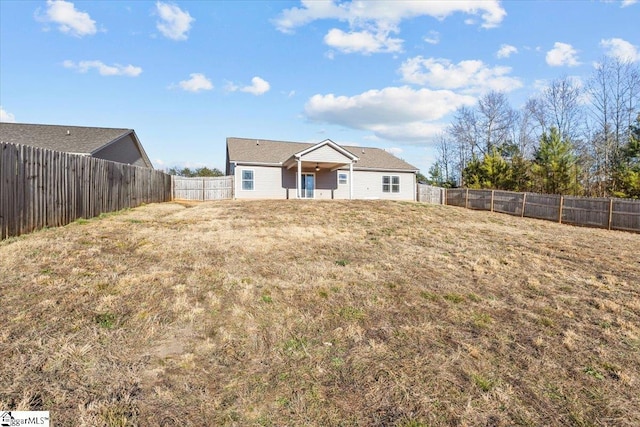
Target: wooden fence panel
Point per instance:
(457, 197)
(430, 194)
(43, 188)
(202, 188)
(542, 206)
(584, 211)
(625, 215)
(508, 202)
(479, 199)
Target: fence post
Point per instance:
(524, 203)
(561, 206)
(492, 193)
(610, 213)
(466, 201)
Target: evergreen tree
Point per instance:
(627, 177)
(555, 164)
(492, 171)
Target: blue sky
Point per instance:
(188, 74)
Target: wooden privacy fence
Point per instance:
(613, 214)
(44, 188)
(431, 194)
(202, 188)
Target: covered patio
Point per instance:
(325, 156)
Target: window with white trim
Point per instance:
(247, 179)
(390, 183)
(342, 178)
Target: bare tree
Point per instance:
(446, 156)
(614, 89)
(561, 100)
(496, 120)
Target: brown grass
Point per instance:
(274, 313)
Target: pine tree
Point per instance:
(555, 164)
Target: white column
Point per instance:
(299, 180)
(351, 180)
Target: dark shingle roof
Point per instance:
(278, 152)
(70, 139)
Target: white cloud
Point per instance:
(257, 87)
(6, 116)
(362, 41)
(433, 37)
(103, 69)
(371, 22)
(562, 54)
(626, 3)
(506, 50)
(389, 12)
(174, 22)
(621, 49)
(69, 20)
(198, 82)
(470, 76)
(395, 113)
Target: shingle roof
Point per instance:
(70, 139)
(278, 152)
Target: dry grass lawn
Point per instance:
(290, 313)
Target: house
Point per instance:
(117, 145)
(287, 170)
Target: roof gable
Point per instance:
(326, 143)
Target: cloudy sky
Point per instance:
(389, 74)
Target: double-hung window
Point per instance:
(342, 178)
(390, 183)
(247, 179)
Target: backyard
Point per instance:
(321, 313)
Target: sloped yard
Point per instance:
(364, 313)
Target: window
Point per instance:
(247, 180)
(390, 184)
(342, 178)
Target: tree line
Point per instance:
(571, 138)
(192, 173)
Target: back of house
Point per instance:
(268, 169)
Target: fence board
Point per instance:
(43, 188)
(202, 188)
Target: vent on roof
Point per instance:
(257, 142)
(68, 132)
(363, 151)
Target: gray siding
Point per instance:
(124, 151)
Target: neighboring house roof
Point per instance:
(69, 139)
(260, 151)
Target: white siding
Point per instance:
(280, 183)
(325, 154)
(267, 183)
(368, 185)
